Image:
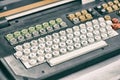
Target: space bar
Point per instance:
(76, 53)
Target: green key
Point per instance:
(38, 27)
(24, 31)
(9, 36)
(45, 24)
(52, 22)
(59, 20)
(17, 34)
(31, 29)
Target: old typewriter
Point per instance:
(49, 37)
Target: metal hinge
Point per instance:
(3, 22)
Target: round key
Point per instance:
(26, 51)
(97, 38)
(41, 40)
(82, 26)
(32, 62)
(89, 24)
(32, 55)
(77, 45)
(55, 35)
(110, 3)
(76, 28)
(91, 40)
(63, 38)
(49, 28)
(69, 42)
(84, 43)
(55, 47)
(63, 24)
(41, 45)
(76, 39)
(90, 29)
(70, 48)
(96, 32)
(107, 17)
(95, 21)
(48, 37)
(18, 54)
(38, 27)
(34, 42)
(109, 22)
(62, 33)
(108, 27)
(56, 41)
(102, 30)
(76, 20)
(34, 48)
(24, 58)
(83, 31)
(62, 44)
(28, 36)
(9, 36)
(101, 19)
(21, 38)
(71, 16)
(77, 33)
(56, 53)
(70, 36)
(84, 12)
(48, 50)
(49, 43)
(103, 24)
(19, 48)
(89, 34)
(59, 20)
(83, 37)
(17, 34)
(109, 9)
(41, 59)
(48, 56)
(105, 5)
(99, 7)
(40, 52)
(13, 41)
(43, 31)
(104, 36)
(35, 33)
(63, 50)
(78, 14)
(96, 27)
(69, 30)
(26, 45)
(56, 26)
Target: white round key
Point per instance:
(63, 38)
(104, 36)
(33, 62)
(89, 24)
(41, 59)
(97, 38)
(76, 28)
(41, 45)
(109, 22)
(62, 44)
(55, 47)
(56, 41)
(56, 53)
(19, 48)
(95, 21)
(69, 42)
(83, 31)
(108, 27)
(48, 50)
(70, 48)
(77, 45)
(34, 42)
(63, 50)
(83, 37)
(90, 29)
(70, 36)
(91, 40)
(77, 33)
(26, 45)
(82, 26)
(69, 30)
(89, 34)
(55, 35)
(24, 58)
(112, 33)
(18, 54)
(41, 40)
(84, 43)
(48, 56)
(49, 43)
(101, 19)
(40, 52)
(62, 33)
(26, 51)
(103, 24)
(96, 27)
(32, 55)
(48, 37)
(34, 48)
(103, 30)
(96, 32)
(76, 39)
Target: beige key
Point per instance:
(82, 18)
(84, 12)
(78, 14)
(89, 16)
(115, 7)
(107, 17)
(116, 1)
(71, 16)
(109, 9)
(110, 3)
(105, 5)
